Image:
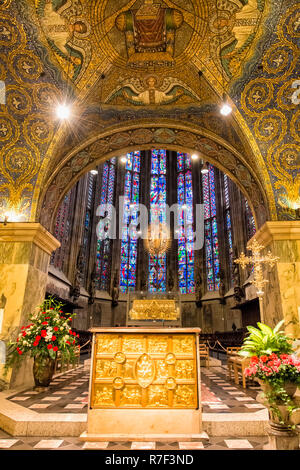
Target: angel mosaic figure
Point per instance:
(135, 93)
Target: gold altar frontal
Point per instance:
(144, 384)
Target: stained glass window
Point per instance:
(250, 222)
(129, 242)
(87, 223)
(228, 225)
(62, 230)
(104, 245)
(211, 230)
(186, 276)
(158, 197)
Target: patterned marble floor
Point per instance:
(8, 442)
(68, 393)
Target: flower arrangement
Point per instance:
(275, 369)
(273, 364)
(48, 332)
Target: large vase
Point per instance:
(281, 418)
(43, 370)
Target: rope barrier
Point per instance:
(211, 347)
(216, 342)
(221, 345)
(81, 347)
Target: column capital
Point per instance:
(29, 232)
(277, 231)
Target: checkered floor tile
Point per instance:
(73, 443)
(68, 394)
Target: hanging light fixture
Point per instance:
(158, 239)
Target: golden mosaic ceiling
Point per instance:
(135, 65)
(88, 37)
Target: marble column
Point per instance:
(25, 250)
(282, 293)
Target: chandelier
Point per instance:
(158, 239)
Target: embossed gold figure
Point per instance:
(107, 344)
(132, 344)
(161, 369)
(105, 368)
(131, 395)
(183, 345)
(158, 395)
(104, 396)
(184, 395)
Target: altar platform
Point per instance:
(232, 417)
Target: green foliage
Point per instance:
(265, 341)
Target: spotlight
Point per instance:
(205, 169)
(63, 111)
(226, 109)
(123, 159)
(94, 172)
(195, 156)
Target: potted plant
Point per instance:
(275, 368)
(48, 332)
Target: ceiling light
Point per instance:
(226, 109)
(63, 111)
(195, 156)
(94, 172)
(123, 159)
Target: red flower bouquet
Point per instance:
(47, 333)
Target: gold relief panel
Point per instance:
(127, 370)
(104, 395)
(105, 368)
(184, 369)
(131, 396)
(158, 344)
(107, 344)
(161, 369)
(183, 344)
(158, 396)
(144, 371)
(184, 396)
(133, 344)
